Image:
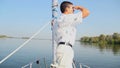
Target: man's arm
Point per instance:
(84, 11)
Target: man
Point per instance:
(65, 32)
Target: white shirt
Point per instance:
(65, 27)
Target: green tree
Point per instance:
(116, 36)
(102, 37)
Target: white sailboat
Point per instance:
(53, 64)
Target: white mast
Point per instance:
(54, 18)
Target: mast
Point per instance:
(54, 18)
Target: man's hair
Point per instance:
(64, 4)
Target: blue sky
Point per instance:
(25, 17)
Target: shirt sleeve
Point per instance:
(77, 18)
(71, 19)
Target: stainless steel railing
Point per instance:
(30, 65)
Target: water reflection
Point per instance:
(85, 53)
(104, 47)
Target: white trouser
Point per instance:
(65, 56)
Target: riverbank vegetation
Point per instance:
(3, 36)
(13, 37)
(102, 39)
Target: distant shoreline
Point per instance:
(102, 39)
(5, 36)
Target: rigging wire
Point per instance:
(24, 43)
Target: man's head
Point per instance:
(66, 7)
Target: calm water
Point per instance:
(104, 56)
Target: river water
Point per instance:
(95, 56)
